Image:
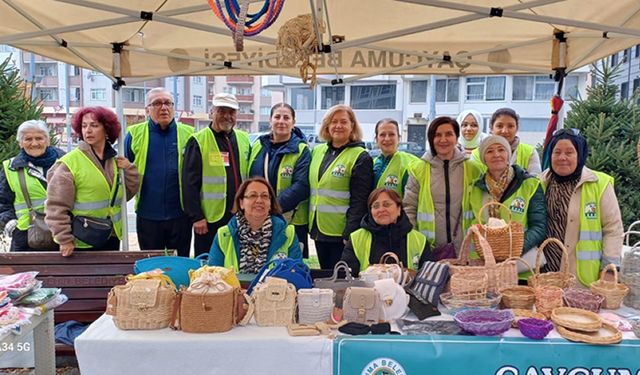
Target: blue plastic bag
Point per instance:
(177, 268)
(292, 270)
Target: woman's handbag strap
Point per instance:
(23, 187)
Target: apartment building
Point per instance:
(628, 77)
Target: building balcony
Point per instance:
(240, 80)
(245, 98)
(245, 117)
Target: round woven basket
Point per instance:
(505, 242)
(612, 291)
(605, 335)
(548, 297)
(484, 322)
(562, 279)
(582, 299)
(576, 319)
(490, 301)
(518, 297)
(470, 286)
(523, 314)
(535, 329)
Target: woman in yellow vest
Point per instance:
(282, 157)
(436, 199)
(340, 180)
(513, 187)
(256, 233)
(84, 181)
(385, 228)
(505, 122)
(35, 158)
(390, 168)
(583, 209)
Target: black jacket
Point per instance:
(360, 186)
(192, 174)
(385, 238)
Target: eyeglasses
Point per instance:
(570, 131)
(159, 104)
(254, 196)
(385, 204)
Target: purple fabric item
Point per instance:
(535, 329)
(484, 322)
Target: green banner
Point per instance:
(464, 355)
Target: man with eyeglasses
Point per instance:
(216, 161)
(156, 148)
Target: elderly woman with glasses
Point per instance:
(256, 233)
(583, 210)
(386, 228)
(33, 161)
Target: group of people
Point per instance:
(248, 203)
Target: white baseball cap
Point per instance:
(225, 100)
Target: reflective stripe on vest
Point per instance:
(228, 246)
(425, 214)
(589, 246)
(140, 147)
(361, 242)
(299, 215)
(330, 195)
(93, 193)
(36, 192)
(214, 175)
(396, 169)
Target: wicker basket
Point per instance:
(141, 304)
(505, 242)
(612, 291)
(582, 299)
(518, 297)
(576, 319)
(605, 335)
(535, 329)
(548, 297)
(501, 275)
(207, 313)
(562, 279)
(484, 322)
(490, 301)
(469, 286)
(523, 314)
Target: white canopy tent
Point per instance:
(136, 40)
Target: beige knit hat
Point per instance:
(491, 140)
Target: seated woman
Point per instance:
(257, 233)
(386, 228)
(583, 209)
(512, 186)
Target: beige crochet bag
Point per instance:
(275, 302)
(141, 304)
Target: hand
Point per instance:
(67, 249)
(9, 227)
(200, 227)
(123, 163)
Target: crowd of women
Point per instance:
(353, 207)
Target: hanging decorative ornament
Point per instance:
(237, 18)
(297, 41)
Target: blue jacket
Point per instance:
(278, 237)
(299, 189)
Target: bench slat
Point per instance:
(82, 282)
(78, 257)
(83, 305)
(77, 270)
(84, 293)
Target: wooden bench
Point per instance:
(86, 278)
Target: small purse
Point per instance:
(362, 305)
(338, 285)
(448, 250)
(39, 236)
(315, 305)
(394, 300)
(275, 302)
(94, 231)
(430, 281)
(384, 270)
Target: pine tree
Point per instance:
(15, 108)
(611, 127)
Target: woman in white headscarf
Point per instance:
(471, 125)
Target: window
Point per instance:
(48, 93)
(636, 86)
(373, 97)
(197, 101)
(447, 90)
(614, 59)
(625, 55)
(74, 94)
(624, 90)
(243, 91)
(572, 87)
(485, 88)
(133, 95)
(46, 70)
(637, 54)
(302, 98)
(265, 111)
(332, 95)
(419, 91)
(197, 80)
(532, 88)
(265, 92)
(98, 94)
(245, 108)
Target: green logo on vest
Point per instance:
(391, 181)
(415, 261)
(287, 171)
(339, 171)
(383, 366)
(590, 210)
(518, 205)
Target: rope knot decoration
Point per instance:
(297, 41)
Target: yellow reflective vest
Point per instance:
(361, 241)
(396, 169)
(36, 192)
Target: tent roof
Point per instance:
(184, 37)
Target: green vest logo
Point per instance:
(518, 205)
(287, 171)
(383, 366)
(391, 181)
(590, 210)
(339, 171)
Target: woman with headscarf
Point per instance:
(471, 125)
(35, 158)
(583, 209)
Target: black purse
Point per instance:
(39, 236)
(92, 230)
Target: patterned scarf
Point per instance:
(497, 188)
(254, 245)
(557, 197)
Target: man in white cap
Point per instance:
(216, 160)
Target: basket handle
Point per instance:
(607, 268)
(629, 232)
(389, 255)
(521, 260)
(564, 264)
(489, 259)
(492, 203)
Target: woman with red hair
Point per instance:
(84, 187)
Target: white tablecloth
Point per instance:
(104, 349)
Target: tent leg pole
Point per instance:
(117, 86)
